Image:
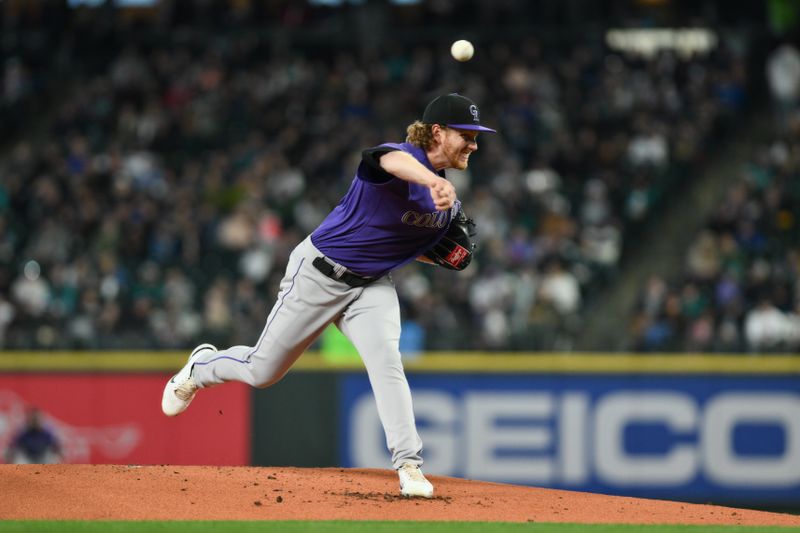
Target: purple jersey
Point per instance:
(382, 222)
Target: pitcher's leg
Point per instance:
(372, 323)
(307, 302)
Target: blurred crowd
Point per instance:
(176, 177)
(23, 73)
(740, 288)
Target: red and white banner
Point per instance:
(117, 418)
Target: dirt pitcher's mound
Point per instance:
(115, 492)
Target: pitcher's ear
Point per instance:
(437, 130)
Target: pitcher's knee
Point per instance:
(387, 359)
(264, 378)
(389, 355)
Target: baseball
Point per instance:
(462, 50)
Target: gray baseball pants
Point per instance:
(308, 301)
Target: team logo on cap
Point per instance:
(474, 110)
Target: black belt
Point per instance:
(354, 280)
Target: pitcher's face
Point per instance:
(458, 145)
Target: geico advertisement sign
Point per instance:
(571, 438)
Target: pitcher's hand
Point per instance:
(443, 194)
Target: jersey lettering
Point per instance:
(436, 219)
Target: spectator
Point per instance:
(783, 77)
(560, 288)
(765, 327)
(702, 259)
(34, 444)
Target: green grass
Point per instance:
(57, 526)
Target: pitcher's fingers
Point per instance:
(443, 204)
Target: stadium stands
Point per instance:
(740, 288)
(180, 168)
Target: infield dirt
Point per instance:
(118, 492)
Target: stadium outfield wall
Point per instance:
(460, 362)
(693, 427)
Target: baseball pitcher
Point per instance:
(400, 207)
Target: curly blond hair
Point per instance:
(420, 134)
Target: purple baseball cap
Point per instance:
(455, 111)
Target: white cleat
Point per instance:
(413, 482)
(181, 388)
